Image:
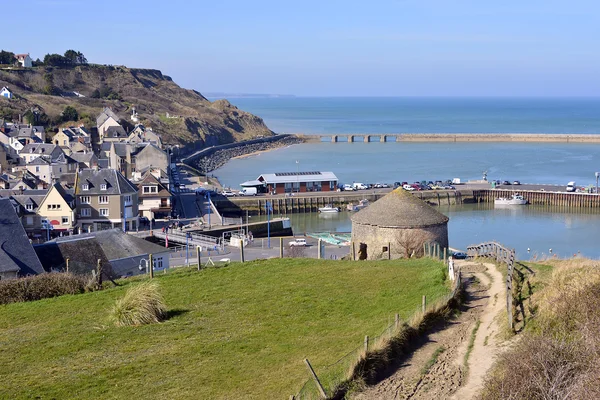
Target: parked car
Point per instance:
(516, 183)
(408, 187)
(298, 242)
(505, 182)
(227, 193)
(385, 185)
(348, 187)
(144, 220)
(398, 184)
(459, 255)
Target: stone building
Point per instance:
(400, 220)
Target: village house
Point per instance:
(85, 159)
(105, 199)
(29, 203)
(6, 93)
(24, 60)
(50, 169)
(114, 134)
(105, 120)
(119, 253)
(32, 151)
(58, 207)
(154, 198)
(73, 140)
(17, 256)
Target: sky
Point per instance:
(330, 47)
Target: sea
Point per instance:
(533, 228)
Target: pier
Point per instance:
(452, 137)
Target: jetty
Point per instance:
(451, 137)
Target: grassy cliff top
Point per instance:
(192, 118)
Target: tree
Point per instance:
(30, 117)
(411, 241)
(75, 57)
(6, 57)
(70, 114)
(54, 60)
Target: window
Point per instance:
(29, 220)
(29, 207)
(85, 186)
(128, 199)
(103, 186)
(103, 199)
(53, 206)
(158, 262)
(103, 212)
(86, 199)
(86, 212)
(37, 169)
(64, 142)
(150, 189)
(65, 220)
(59, 169)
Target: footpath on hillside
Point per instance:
(437, 369)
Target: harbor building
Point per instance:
(401, 222)
(294, 182)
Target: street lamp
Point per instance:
(208, 194)
(269, 210)
(187, 249)
(597, 175)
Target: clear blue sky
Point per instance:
(330, 47)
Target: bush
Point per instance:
(39, 287)
(142, 304)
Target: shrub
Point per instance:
(141, 305)
(40, 287)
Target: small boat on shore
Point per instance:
(357, 207)
(328, 209)
(514, 200)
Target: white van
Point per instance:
(249, 191)
(571, 187)
(359, 186)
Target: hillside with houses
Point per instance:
(38, 92)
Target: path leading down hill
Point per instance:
(437, 369)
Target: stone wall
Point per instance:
(376, 238)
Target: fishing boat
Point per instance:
(357, 207)
(514, 200)
(329, 209)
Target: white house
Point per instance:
(24, 60)
(6, 93)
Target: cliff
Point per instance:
(181, 116)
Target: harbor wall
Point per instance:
(452, 137)
(535, 197)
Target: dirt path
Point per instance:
(436, 369)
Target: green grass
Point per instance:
(239, 332)
(470, 346)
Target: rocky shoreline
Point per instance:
(219, 158)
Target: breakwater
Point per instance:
(452, 137)
(211, 158)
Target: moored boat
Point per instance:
(357, 207)
(329, 209)
(514, 200)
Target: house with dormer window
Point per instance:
(105, 199)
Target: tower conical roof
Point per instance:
(399, 209)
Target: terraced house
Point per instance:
(105, 199)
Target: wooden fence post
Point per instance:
(424, 249)
(67, 261)
(397, 319)
(320, 250)
(353, 251)
(151, 266)
(389, 250)
(366, 344)
(99, 272)
(316, 379)
(198, 258)
(242, 251)
(280, 247)
(445, 255)
(424, 303)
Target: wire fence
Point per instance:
(332, 376)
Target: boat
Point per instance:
(514, 200)
(329, 209)
(357, 207)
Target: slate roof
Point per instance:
(116, 244)
(115, 182)
(150, 179)
(115, 132)
(122, 149)
(34, 199)
(39, 148)
(103, 163)
(81, 157)
(104, 115)
(83, 254)
(16, 252)
(399, 209)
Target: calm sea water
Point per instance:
(527, 227)
(402, 114)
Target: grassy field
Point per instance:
(233, 333)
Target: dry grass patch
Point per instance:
(142, 304)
